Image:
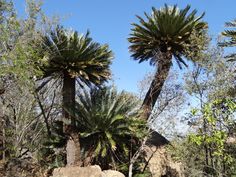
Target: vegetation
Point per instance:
(212, 139)
(165, 34)
(56, 110)
(211, 120)
(71, 57)
(230, 34)
(108, 126)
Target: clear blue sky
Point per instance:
(109, 21)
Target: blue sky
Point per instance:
(109, 21)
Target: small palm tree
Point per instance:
(106, 122)
(231, 35)
(165, 34)
(74, 57)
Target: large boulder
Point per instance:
(112, 173)
(90, 171)
(160, 163)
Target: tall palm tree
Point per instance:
(74, 57)
(165, 34)
(230, 34)
(107, 123)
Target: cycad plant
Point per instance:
(163, 35)
(106, 120)
(230, 34)
(70, 57)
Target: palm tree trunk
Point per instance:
(73, 144)
(68, 95)
(164, 65)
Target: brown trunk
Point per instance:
(154, 91)
(68, 95)
(73, 145)
(73, 150)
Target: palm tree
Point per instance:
(74, 57)
(106, 122)
(231, 35)
(165, 34)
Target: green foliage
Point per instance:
(57, 139)
(70, 57)
(230, 34)
(189, 155)
(76, 54)
(21, 125)
(107, 125)
(217, 116)
(51, 158)
(106, 119)
(18, 43)
(145, 174)
(168, 29)
(165, 34)
(206, 78)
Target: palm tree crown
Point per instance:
(72, 57)
(166, 33)
(230, 34)
(77, 55)
(165, 30)
(106, 122)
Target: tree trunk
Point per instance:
(154, 91)
(73, 150)
(68, 96)
(73, 145)
(131, 170)
(4, 139)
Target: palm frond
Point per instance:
(105, 121)
(231, 24)
(78, 55)
(230, 38)
(166, 29)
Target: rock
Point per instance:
(231, 140)
(160, 163)
(112, 173)
(90, 171)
